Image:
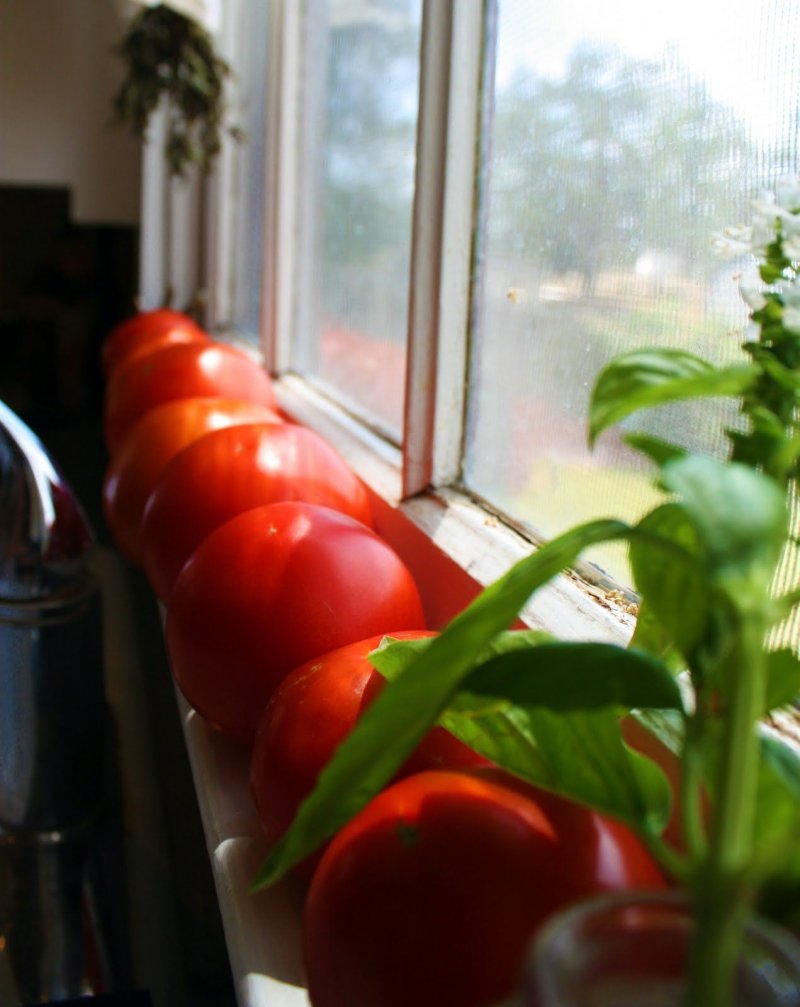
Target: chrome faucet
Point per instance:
(52, 704)
(54, 730)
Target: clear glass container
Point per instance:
(631, 951)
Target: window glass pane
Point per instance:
(249, 71)
(623, 135)
(354, 299)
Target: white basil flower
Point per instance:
(751, 290)
(791, 247)
(732, 242)
(790, 295)
(765, 206)
(791, 320)
(752, 332)
(787, 193)
(790, 222)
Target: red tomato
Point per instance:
(271, 589)
(311, 712)
(147, 331)
(186, 370)
(233, 470)
(431, 894)
(134, 470)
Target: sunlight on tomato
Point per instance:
(231, 471)
(432, 893)
(154, 441)
(145, 332)
(188, 370)
(270, 589)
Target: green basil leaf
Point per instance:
(581, 755)
(404, 711)
(577, 676)
(742, 519)
(776, 810)
(655, 448)
(783, 606)
(651, 377)
(787, 378)
(672, 584)
(392, 656)
(667, 726)
(777, 826)
(783, 764)
(783, 678)
(651, 635)
(785, 458)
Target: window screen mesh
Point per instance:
(622, 135)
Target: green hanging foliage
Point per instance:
(171, 56)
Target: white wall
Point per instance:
(58, 75)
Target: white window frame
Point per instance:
(418, 484)
(171, 227)
(153, 240)
(418, 481)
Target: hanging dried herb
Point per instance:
(169, 55)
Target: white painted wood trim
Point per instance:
(439, 297)
(458, 236)
(220, 211)
(154, 216)
(280, 269)
(426, 247)
(185, 237)
(262, 931)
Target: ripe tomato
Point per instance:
(311, 712)
(154, 441)
(271, 589)
(186, 370)
(233, 470)
(431, 894)
(145, 332)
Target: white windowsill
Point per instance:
(262, 930)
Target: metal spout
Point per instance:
(52, 702)
(45, 538)
(55, 736)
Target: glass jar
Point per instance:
(631, 950)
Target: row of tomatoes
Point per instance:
(258, 539)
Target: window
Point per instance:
(620, 139)
(460, 210)
(236, 263)
(360, 72)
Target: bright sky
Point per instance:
(747, 50)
